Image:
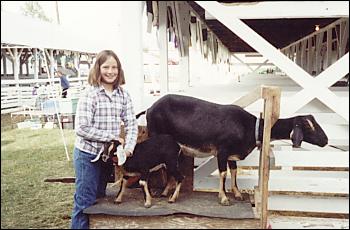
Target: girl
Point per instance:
(100, 112)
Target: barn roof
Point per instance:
(279, 32)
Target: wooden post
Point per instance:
(163, 48)
(309, 55)
(329, 48)
(271, 96)
(318, 59)
(264, 164)
(303, 55)
(36, 64)
(183, 25)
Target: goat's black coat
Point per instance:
(160, 149)
(229, 128)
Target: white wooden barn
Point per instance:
(311, 71)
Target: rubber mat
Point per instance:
(195, 203)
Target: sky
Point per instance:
(15, 7)
(72, 13)
(87, 17)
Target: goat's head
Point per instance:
(306, 128)
(109, 149)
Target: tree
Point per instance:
(34, 9)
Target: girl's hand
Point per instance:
(128, 153)
(121, 140)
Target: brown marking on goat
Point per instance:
(168, 186)
(142, 134)
(126, 173)
(234, 157)
(148, 198)
(122, 189)
(175, 195)
(204, 151)
(222, 195)
(310, 124)
(120, 172)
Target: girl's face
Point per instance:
(109, 72)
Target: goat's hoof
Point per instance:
(148, 205)
(172, 199)
(237, 194)
(225, 202)
(164, 194)
(117, 201)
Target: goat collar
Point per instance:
(257, 124)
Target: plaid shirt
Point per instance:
(100, 116)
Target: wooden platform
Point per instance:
(177, 221)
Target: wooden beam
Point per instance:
(206, 168)
(309, 55)
(235, 56)
(303, 54)
(256, 41)
(344, 26)
(320, 90)
(12, 56)
(163, 49)
(332, 25)
(319, 38)
(285, 9)
(294, 71)
(184, 21)
(335, 72)
(261, 64)
(249, 98)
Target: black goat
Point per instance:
(148, 156)
(227, 131)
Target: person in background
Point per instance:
(64, 83)
(101, 110)
(35, 89)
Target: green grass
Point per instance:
(28, 157)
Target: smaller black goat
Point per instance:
(148, 156)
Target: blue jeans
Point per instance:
(90, 183)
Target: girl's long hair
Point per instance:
(94, 78)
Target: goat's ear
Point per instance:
(297, 136)
(113, 146)
(116, 143)
(110, 147)
(106, 148)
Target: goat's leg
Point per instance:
(222, 163)
(167, 187)
(176, 193)
(178, 177)
(233, 170)
(147, 195)
(119, 196)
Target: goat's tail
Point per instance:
(139, 114)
